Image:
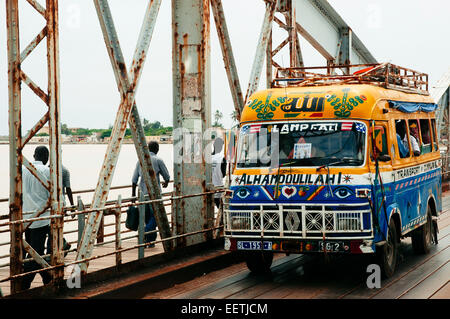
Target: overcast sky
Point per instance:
(410, 33)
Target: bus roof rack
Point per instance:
(386, 75)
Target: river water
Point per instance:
(84, 162)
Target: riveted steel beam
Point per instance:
(344, 55)
(41, 261)
(291, 22)
(322, 26)
(37, 6)
(56, 197)
(33, 44)
(15, 142)
(286, 8)
(228, 58)
(127, 84)
(192, 115)
(263, 40)
(269, 62)
(441, 94)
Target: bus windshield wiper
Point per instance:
(345, 160)
(303, 160)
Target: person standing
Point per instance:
(36, 199)
(160, 169)
(414, 137)
(219, 167)
(66, 189)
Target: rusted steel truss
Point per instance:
(287, 10)
(127, 84)
(191, 109)
(441, 95)
(191, 117)
(228, 58)
(261, 48)
(51, 98)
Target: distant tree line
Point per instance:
(150, 128)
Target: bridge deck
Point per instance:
(292, 277)
(94, 265)
(308, 276)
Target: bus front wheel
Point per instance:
(259, 261)
(421, 237)
(387, 254)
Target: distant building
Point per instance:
(161, 139)
(80, 138)
(39, 139)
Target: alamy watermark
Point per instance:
(374, 279)
(196, 146)
(74, 279)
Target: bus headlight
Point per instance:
(239, 222)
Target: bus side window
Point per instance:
(402, 139)
(414, 137)
(425, 132)
(433, 129)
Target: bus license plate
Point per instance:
(254, 245)
(332, 246)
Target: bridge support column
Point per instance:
(191, 118)
(15, 142)
(17, 76)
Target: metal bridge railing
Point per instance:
(113, 208)
(445, 166)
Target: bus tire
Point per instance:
(422, 237)
(388, 253)
(259, 261)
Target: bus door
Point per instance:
(380, 161)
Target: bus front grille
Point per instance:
(299, 220)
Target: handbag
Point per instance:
(132, 221)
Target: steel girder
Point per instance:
(440, 94)
(127, 85)
(329, 34)
(16, 142)
(192, 117)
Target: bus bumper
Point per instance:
(301, 246)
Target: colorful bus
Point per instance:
(336, 164)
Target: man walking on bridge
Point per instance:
(160, 169)
(35, 199)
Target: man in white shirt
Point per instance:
(218, 168)
(414, 144)
(35, 199)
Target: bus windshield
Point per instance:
(338, 143)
